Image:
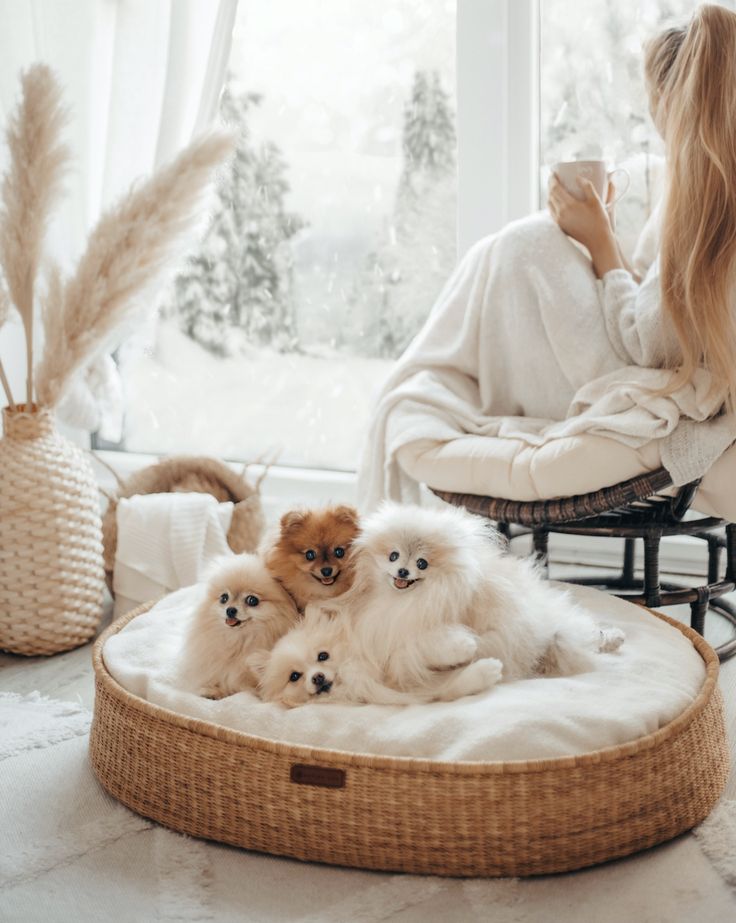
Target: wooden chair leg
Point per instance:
(714, 558)
(698, 610)
(540, 540)
(652, 589)
(627, 572)
(731, 551)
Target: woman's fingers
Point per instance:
(552, 195)
(557, 188)
(565, 198)
(588, 189)
(554, 202)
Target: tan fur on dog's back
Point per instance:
(321, 530)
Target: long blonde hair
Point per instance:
(692, 75)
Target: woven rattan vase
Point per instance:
(51, 573)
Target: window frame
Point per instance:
(497, 45)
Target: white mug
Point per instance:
(594, 170)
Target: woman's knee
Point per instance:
(540, 236)
(539, 227)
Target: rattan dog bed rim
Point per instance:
(344, 758)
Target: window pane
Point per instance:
(332, 237)
(593, 101)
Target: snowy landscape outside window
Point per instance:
(333, 233)
(593, 103)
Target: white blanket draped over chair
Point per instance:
(516, 348)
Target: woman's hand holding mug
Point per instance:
(584, 216)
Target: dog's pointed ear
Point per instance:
(257, 662)
(347, 514)
(292, 520)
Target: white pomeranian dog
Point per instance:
(318, 661)
(244, 610)
(434, 590)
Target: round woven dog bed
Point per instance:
(401, 814)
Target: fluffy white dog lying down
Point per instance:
(436, 611)
(319, 662)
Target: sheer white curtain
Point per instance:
(141, 78)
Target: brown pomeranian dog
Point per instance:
(312, 555)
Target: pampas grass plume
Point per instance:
(127, 253)
(30, 188)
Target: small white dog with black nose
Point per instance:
(317, 661)
(434, 590)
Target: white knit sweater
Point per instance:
(634, 321)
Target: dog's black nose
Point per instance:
(231, 612)
(403, 572)
(326, 571)
(318, 679)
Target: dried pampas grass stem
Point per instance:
(6, 388)
(38, 160)
(126, 253)
(4, 310)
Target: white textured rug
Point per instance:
(69, 852)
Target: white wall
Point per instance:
(13, 355)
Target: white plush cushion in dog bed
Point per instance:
(633, 692)
(492, 466)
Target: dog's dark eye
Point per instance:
(339, 552)
(224, 598)
(323, 655)
(394, 556)
(251, 600)
(310, 555)
(422, 564)
(294, 677)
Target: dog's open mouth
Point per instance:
(401, 584)
(233, 622)
(325, 687)
(325, 581)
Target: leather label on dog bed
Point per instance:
(318, 775)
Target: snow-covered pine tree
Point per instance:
(429, 129)
(237, 286)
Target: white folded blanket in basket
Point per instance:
(653, 678)
(166, 541)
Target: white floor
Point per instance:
(673, 883)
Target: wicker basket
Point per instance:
(401, 814)
(51, 575)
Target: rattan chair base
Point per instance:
(407, 815)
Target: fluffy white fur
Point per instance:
(434, 589)
(318, 661)
(244, 611)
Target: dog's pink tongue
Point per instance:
(232, 622)
(400, 583)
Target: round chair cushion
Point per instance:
(511, 469)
